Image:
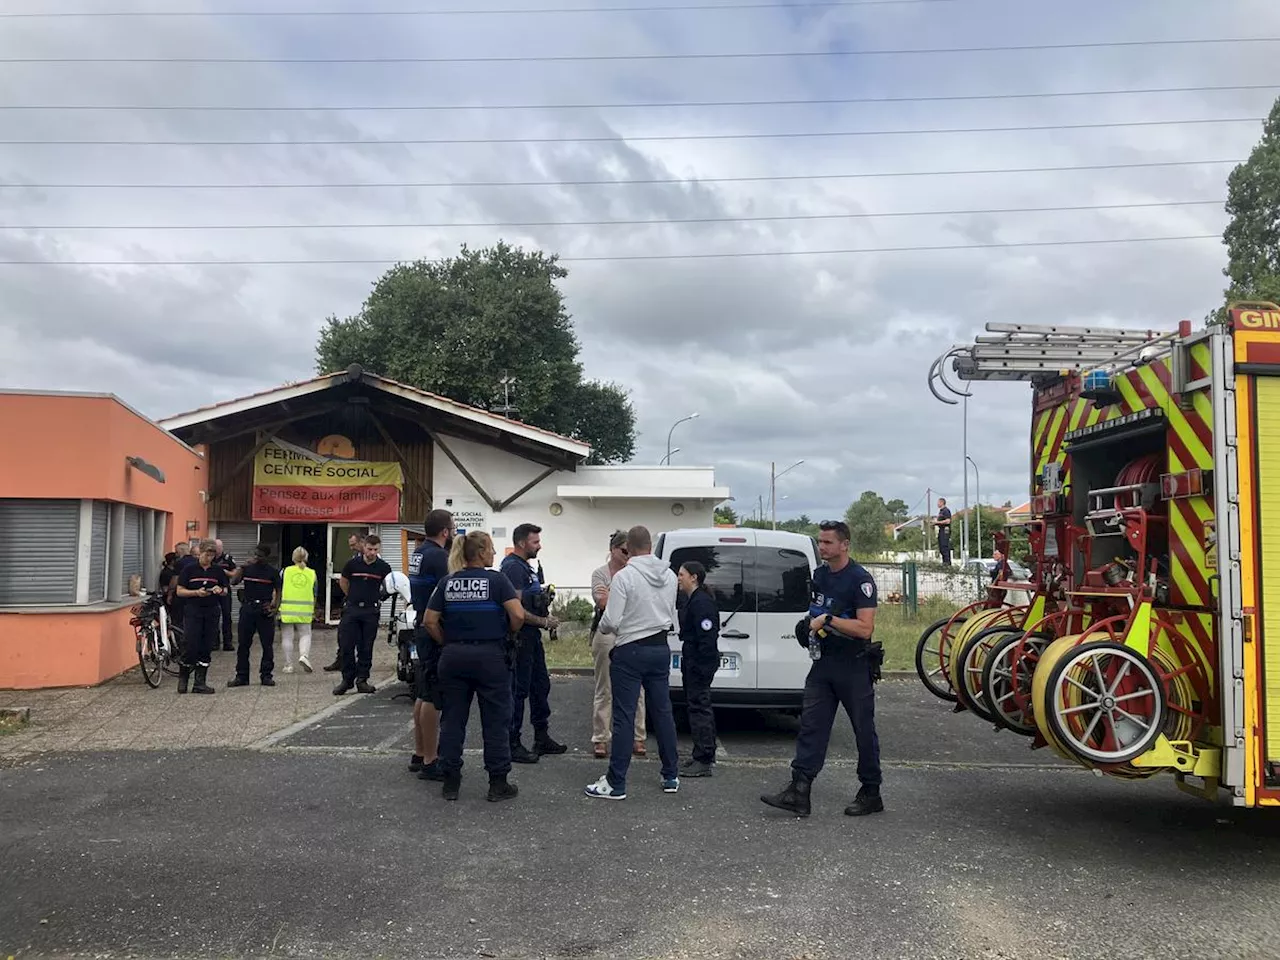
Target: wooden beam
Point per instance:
(439, 442)
(525, 489)
(404, 461)
(243, 462)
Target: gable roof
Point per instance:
(356, 374)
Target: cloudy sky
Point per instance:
(814, 357)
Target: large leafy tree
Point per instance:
(867, 518)
(1253, 235)
(460, 326)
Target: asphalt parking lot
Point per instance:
(320, 843)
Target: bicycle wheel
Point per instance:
(149, 657)
(174, 654)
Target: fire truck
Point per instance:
(1147, 638)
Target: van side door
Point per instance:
(784, 580)
(731, 566)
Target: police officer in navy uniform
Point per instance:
(259, 602)
(529, 677)
(699, 661)
(837, 632)
(361, 584)
(228, 564)
(428, 565)
(470, 615)
(201, 585)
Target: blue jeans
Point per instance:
(632, 667)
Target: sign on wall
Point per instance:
(294, 485)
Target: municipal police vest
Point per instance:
(472, 608)
(297, 596)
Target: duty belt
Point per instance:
(363, 603)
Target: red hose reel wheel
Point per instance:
(934, 648)
(969, 663)
(1105, 703)
(1141, 471)
(1022, 659)
(1006, 680)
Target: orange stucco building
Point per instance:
(99, 493)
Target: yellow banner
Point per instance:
(277, 466)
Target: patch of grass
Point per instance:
(10, 723)
(896, 628)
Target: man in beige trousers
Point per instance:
(601, 644)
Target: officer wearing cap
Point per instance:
(361, 583)
(470, 615)
(837, 633)
(259, 601)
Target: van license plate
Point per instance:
(729, 664)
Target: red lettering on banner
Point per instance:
(292, 504)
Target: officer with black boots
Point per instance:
(259, 601)
(943, 524)
(228, 565)
(201, 586)
(837, 633)
(361, 584)
(529, 677)
(428, 566)
(470, 616)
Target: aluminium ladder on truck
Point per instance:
(1215, 393)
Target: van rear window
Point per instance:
(763, 579)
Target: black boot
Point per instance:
(500, 789)
(431, 771)
(522, 754)
(200, 686)
(452, 784)
(335, 666)
(793, 799)
(184, 677)
(867, 801)
(543, 745)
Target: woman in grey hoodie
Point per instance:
(641, 613)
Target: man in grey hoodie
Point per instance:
(641, 612)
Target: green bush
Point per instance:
(577, 608)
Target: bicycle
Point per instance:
(159, 644)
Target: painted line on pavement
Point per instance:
(385, 744)
(342, 703)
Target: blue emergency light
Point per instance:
(1097, 380)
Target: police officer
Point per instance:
(228, 564)
(361, 584)
(258, 605)
(837, 632)
(428, 565)
(529, 678)
(201, 585)
(944, 530)
(470, 616)
(699, 661)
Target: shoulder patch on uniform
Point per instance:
(706, 624)
(868, 587)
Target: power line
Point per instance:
(613, 223)
(425, 107)
(682, 8)
(582, 58)
(658, 138)
(1146, 165)
(620, 258)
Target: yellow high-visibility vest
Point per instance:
(298, 596)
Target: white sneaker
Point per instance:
(604, 791)
(288, 668)
(305, 664)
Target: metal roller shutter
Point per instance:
(99, 544)
(391, 534)
(238, 539)
(39, 547)
(132, 547)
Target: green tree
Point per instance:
(992, 521)
(726, 514)
(897, 510)
(1252, 237)
(867, 517)
(459, 326)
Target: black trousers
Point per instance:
(253, 619)
(836, 681)
(944, 547)
(530, 681)
(357, 630)
(697, 670)
(200, 633)
(224, 602)
(479, 670)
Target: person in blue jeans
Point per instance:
(641, 612)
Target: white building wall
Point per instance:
(576, 541)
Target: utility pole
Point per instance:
(964, 550)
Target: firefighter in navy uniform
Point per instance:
(201, 585)
(259, 602)
(428, 565)
(470, 615)
(846, 666)
(361, 584)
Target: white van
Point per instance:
(761, 580)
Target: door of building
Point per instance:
(339, 554)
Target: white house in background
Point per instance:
(420, 450)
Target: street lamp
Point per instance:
(773, 489)
(978, 479)
(667, 458)
(964, 552)
(692, 416)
